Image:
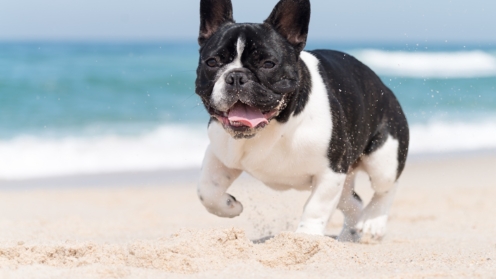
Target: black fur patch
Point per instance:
(297, 101)
(364, 111)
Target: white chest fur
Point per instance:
(288, 155)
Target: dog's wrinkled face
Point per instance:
(247, 72)
(244, 77)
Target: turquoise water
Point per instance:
(108, 88)
(93, 97)
(445, 99)
(70, 88)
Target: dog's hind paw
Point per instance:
(349, 235)
(373, 228)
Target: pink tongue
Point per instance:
(247, 115)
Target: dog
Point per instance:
(295, 119)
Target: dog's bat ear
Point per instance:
(291, 19)
(213, 14)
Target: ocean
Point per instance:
(87, 108)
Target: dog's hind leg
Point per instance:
(351, 205)
(382, 168)
(215, 179)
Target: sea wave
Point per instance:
(183, 146)
(442, 137)
(459, 64)
(167, 147)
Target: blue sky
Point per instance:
(352, 20)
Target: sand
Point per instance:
(442, 224)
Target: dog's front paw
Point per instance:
(372, 228)
(311, 227)
(227, 206)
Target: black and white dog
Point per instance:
(294, 119)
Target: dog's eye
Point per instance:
(212, 62)
(269, 64)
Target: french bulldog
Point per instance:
(295, 119)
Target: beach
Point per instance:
(104, 116)
(151, 225)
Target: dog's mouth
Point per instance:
(242, 117)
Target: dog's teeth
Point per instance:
(235, 123)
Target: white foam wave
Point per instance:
(441, 137)
(168, 147)
(461, 64)
(177, 147)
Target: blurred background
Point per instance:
(89, 87)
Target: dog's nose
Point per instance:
(236, 78)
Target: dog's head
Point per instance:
(248, 72)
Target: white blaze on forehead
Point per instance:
(219, 91)
(240, 47)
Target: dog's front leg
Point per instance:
(326, 192)
(215, 179)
